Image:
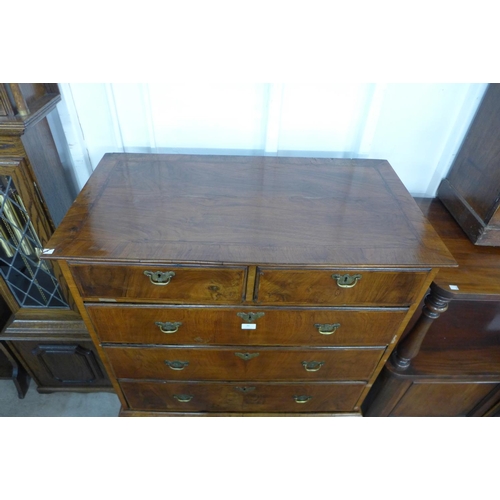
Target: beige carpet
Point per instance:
(61, 404)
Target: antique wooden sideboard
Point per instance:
(232, 285)
(452, 351)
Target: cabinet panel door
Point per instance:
(64, 364)
(441, 399)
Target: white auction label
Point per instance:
(248, 326)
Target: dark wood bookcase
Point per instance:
(44, 331)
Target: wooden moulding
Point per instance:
(135, 413)
(24, 104)
(466, 217)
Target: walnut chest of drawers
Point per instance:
(231, 285)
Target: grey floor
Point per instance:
(61, 404)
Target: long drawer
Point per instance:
(244, 326)
(167, 284)
(242, 363)
(247, 397)
(357, 287)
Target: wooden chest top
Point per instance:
(247, 210)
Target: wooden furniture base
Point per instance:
(11, 369)
(135, 413)
(417, 395)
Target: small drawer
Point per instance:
(338, 287)
(169, 284)
(242, 397)
(175, 325)
(242, 363)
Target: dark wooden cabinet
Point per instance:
(429, 398)
(471, 190)
(222, 285)
(456, 369)
(35, 194)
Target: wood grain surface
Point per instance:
(250, 210)
(477, 276)
(252, 397)
(223, 363)
(219, 326)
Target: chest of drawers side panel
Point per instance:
(93, 334)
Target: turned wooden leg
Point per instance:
(434, 305)
(392, 384)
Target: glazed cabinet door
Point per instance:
(24, 229)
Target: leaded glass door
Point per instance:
(30, 280)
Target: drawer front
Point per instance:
(241, 363)
(338, 287)
(242, 397)
(226, 326)
(176, 284)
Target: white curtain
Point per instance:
(418, 128)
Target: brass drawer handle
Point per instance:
(183, 398)
(250, 317)
(246, 355)
(327, 328)
(245, 389)
(160, 278)
(177, 365)
(346, 280)
(302, 399)
(312, 366)
(168, 327)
